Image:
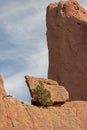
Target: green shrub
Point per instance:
(42, 96)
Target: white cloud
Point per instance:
(15, 86)
(23, 48)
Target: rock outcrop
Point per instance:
(68, 64)
(16, 115)
(67, 44)
(2, 90)
(58, 93)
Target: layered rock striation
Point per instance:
(67, 43)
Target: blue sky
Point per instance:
(23, 46)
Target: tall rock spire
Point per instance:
(67, 44)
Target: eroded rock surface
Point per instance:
(67, 44)
(58, 93)
(16, 115)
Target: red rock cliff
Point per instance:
(16, 115)
(67, 44)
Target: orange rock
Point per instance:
(16, 115)
(67, 43)
(2, 91)
(58, 93)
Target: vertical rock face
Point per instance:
(67, 44)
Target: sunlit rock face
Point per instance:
(16, 115)
(66, 33)
(2, 90)
(67, 44)
(58, 93)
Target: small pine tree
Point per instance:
(42, 95)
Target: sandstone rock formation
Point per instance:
(67, 43)
(15, 115)
(66, 60)
(58, 93)
(2, 91)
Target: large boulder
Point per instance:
(58, 93)
(67, 43)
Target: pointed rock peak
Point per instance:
(69, 8)
(2, 90)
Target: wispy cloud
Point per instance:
(23, 48)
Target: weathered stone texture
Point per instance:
(67, 44)
(58, 93)
(16, 115)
